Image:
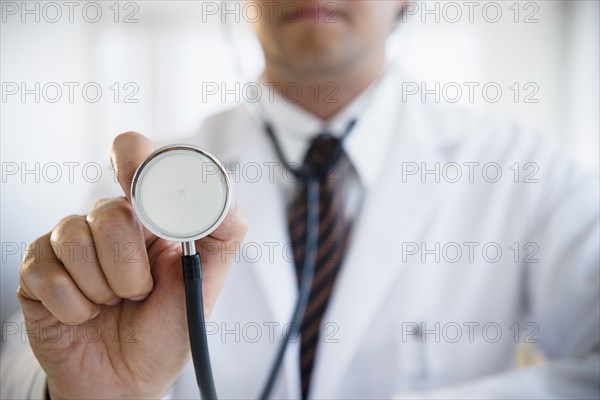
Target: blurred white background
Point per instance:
(169, 48)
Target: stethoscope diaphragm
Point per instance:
(181, 193)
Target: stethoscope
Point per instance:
(181, 193)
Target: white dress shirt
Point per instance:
(295, 127)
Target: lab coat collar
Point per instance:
(375, 128)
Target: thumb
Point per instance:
(129, 150)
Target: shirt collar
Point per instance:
(366, 146)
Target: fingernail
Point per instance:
(139, 298)
(114, 301)
(96, 313)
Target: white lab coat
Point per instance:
(466, 309)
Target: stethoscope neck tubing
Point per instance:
(313, 184)
(298, 172)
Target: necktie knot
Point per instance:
(322, 155)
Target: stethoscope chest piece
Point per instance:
(181, 193)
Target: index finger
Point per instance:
(129, 150)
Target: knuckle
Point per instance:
(38, 253)
(101, 202)
(111, 217)
(70, 238)
(26, 275)
(31, 254)
(55, 287)
(26, 270)
(70, 229)
(71, 219)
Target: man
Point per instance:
(438, 278)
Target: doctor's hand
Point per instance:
(103, 298)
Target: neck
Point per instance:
(326, 94)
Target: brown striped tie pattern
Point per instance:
(332, 240)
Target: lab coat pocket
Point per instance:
(410, 354)
(431, 354)
(434, 354)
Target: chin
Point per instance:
(315, 48)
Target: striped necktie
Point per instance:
(332, 240)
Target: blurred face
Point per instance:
(309, 37)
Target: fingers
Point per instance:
(129, 150)
(76, 250)
(85, 262)
(44, 279)
(97, 259)
(123, 259)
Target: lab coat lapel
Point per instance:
(275, 277)
(263, 205)
(374, 257)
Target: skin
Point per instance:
(122, 315)
(336, 53)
